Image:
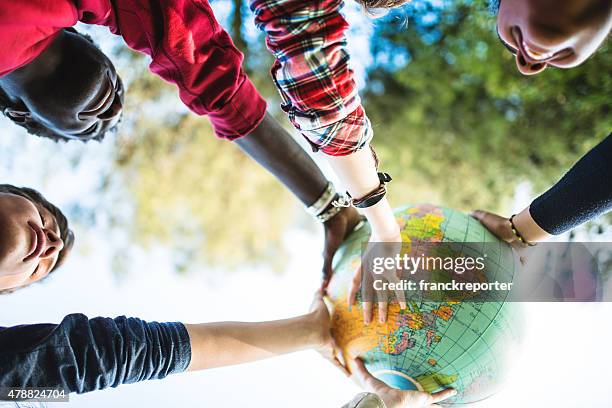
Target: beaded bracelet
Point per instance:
(518, 234)
(323, 201)
(329, 212)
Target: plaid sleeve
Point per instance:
(312, 74)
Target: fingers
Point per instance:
(360, 369)
(382, 311)
(478, 214)
(317, 300)
(354, 288)
(336, 360)
(498, 225)
(399, 294)
(401, 298)
(331, 354)
(487, 219)
(324, 284)
(367, 312)
(318, 295)
(383, 305)
(338, 364)
(442, 395)
(327, 269)
(364, 377)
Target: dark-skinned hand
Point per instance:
(336, 230)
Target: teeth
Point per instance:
(536, 55)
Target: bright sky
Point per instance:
(565, 362)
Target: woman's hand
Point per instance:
(359, 174)
(502, 227)
(389, 247)
(499, 226)
(320, 322)
(336, 230)
(394, 398)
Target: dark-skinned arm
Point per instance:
(272, 146)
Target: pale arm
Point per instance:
(357, 172)
(228, 343)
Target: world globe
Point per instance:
(466, 344)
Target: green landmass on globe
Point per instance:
(431, 345)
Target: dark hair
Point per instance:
(37, 129)
(62, 222)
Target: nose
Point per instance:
(527, 67)
(53, 244)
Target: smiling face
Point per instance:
(544, 33)
(30, 241)
(70, 91)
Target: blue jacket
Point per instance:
(82, 355)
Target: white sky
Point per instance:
(565, 363)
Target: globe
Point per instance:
(431, 345)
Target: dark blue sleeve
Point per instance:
(583, 193)
(82, 355)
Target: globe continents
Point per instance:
(431, 345)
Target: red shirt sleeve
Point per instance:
(190, 49)
(187, 45)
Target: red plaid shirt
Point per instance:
(312, 72)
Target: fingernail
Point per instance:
(381, 319)
(366, 321)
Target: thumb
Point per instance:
(443, 395)
(364, 376)
(478, 214)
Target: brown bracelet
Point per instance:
(518, 234)
(370, 199)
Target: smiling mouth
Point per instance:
(38, 239)
(103, 102)
(535, 55)
(112, 96)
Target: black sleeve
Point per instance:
(584, 193)
(82, 355)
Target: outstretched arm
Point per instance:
(320, 96)
(582, 194)
(82, 355)
(228, 343)
(273, 147)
